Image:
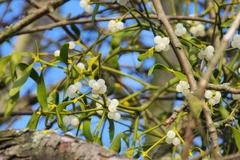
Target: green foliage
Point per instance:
(146, 110)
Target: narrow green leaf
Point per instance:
(148, 54)
(196, 41)
(180, 76)
(91, 61)
(20, 81)
(236, 134)
(224, 112)
(87, 130)
(60, 122)
(76, 30)
(59, 109)
(227, 23)
(232, 72)
(10, 104)
(33, 122)
(53, 97)
(3, 64)
(126, 33)
(64, 53)
(111, 129)
(34, 75)
(15, 59)
(157, 66)
(42, 93)
(143, 56)
(116, 144)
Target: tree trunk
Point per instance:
(48, 145)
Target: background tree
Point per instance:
(86, 68)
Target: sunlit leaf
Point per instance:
(64, 53)
(180, 76)
(53, 97)
(227, 23)
(59, 109)
(223, 111)
(111, 129)
(20, 81)
(236, 134)
(3, 64)
(157, 66)
(42, 93)
(75, 30)
(232, 72)
(33, 74)
(148, 54)
(33, 122)
(87, 130)
(116, 144)
(10, 104)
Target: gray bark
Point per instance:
(47, 145)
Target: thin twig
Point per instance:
(11, 30)
(89, 20)
(54, 18)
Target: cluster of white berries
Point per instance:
(86, 6)
(98, 87)
(207, 53)
(71, 46)
(162, 44)
(198, 30)
(81, 66)
(180, 29)
(72, 89)
(183, 87)
(213, 98)
(236, 96)
(114, 26)
(112, 107)
(236, 41)
(74, 121)
(172, 139)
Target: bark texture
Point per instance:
(47, 145)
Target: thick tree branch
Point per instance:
(38, 145)
(177, 46)
(11, 30)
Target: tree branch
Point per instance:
(177, 46)
(12, 29)
(47, 145)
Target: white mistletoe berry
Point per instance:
(168, 140)
(117, 116)
(176, 141)
(71, 45)
(171, 134)
(198, 31)
(236, 41)
(57, 53)
(66, 119)
(180, 29)
(81, 66)
(162, 44)
(208, 94)
(74, 121)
